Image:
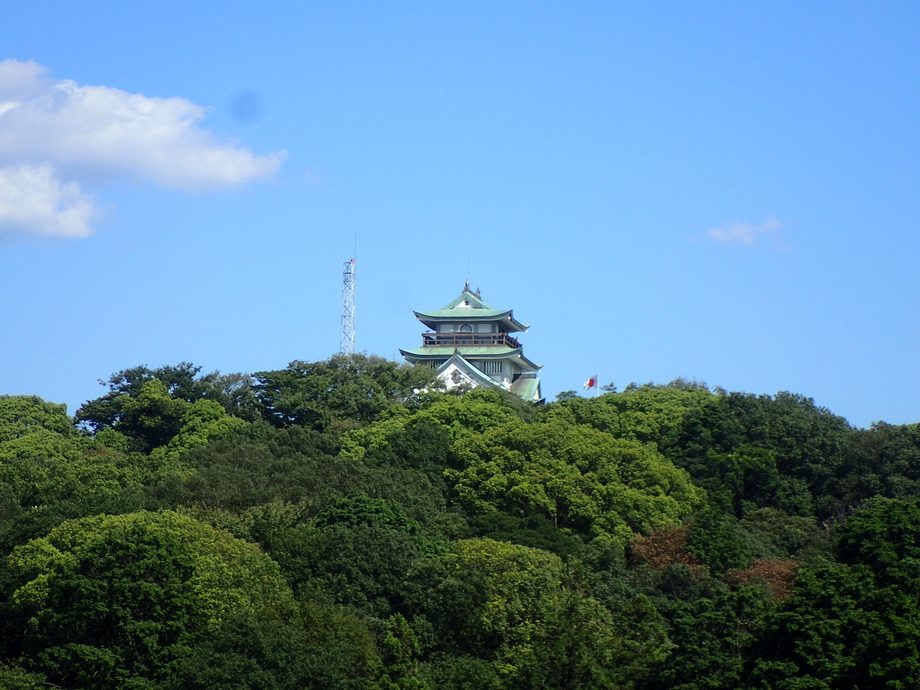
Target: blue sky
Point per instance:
(719, 191)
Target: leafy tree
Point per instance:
(575, 476)
(519, 608)
(885, 536)
(344, 389)
(49, 473)
(21, 415)
(116, 601)
(314, 647)
(854, 624)
(400, 658)
(15, 678)
(463, 672)
(808, 440)
(711, 634)
(443, 419)
(535, 531)
(771, 533)
(359, 509)
(182, 382)
(717, 541)
(201, 422)
(363, 566)
(883, 460)
(651, 414)
(153, 417)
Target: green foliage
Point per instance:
(771, 533)
(48, 473)
(575, 476)
(362, 566)
(650, 414)
(808, 440)
(883, 460)
(748, 479)
(314, 647)
(342, 390)
(400, 657)
(424, 439)
(359, 509)
(182, 382)
(748, 451)
(885, 536)
(115, 601)
(711, 634)
(521, 609)
(201, 422)
(153, 417)
(535, 531)
(857, 623)
(718, 542)
(464, 672)
(15, 678)
(23, 415)
(415, 539)
(840, 631)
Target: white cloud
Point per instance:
(33, 200)
(52, 130)
(748, 233)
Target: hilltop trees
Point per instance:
(346, 524)
(344, 389)
(116, 601)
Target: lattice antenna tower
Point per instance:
(348, 308)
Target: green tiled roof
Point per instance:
(526, 388)
(428, 353)
(483, 351)
(474, 300)
(476, 311)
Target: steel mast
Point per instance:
(348, 308)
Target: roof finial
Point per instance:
(466, 286)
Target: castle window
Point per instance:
(492, 366)
(466, 328)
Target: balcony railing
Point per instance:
(468, 340)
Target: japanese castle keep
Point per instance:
(470, 343)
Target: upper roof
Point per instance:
(470, 307)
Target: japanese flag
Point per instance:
(591, 382)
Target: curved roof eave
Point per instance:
(423, 354)
(429, 318)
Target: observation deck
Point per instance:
(469, 340)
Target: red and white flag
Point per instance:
(591, 382)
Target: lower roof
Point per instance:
(427, 354)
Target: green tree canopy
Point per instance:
(342, 389)
(576, 476)
(182, 382)
(115, 601)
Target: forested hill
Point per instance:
(343, 524)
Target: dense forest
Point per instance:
(346, 524)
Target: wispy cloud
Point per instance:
(749, 233)
(57, 137)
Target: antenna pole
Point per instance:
(348, 308)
